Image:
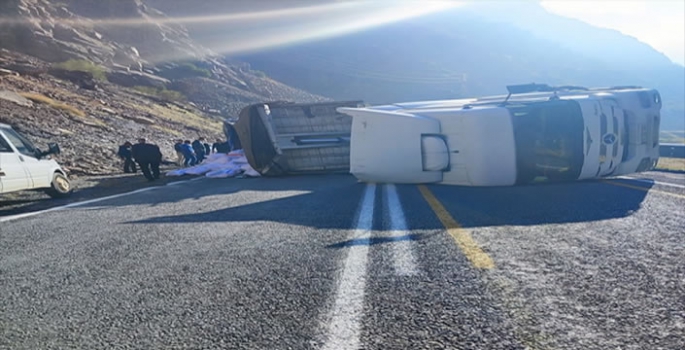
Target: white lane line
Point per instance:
(651, 182)
(72, 205)
(344, 327)
(184, 181)
(403, 256)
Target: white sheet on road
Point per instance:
(220, 165)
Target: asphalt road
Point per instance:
(324, 262)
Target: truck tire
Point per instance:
(60, 187)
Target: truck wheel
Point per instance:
(60, 187)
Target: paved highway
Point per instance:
(324, 262)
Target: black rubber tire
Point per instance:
(57, 187)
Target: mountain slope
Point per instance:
(603, 44)
(473, 50)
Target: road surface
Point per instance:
(324, 262)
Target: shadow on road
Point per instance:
(541, 204)
(331, 202)
(377, 240)
(85, 189)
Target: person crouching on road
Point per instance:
(188, 153)
(179, 152)
(125, 154)
(148, 157)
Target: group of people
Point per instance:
(149, 157)
(192, 153)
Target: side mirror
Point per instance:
(53, 148)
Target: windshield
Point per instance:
(22, 145)
(549, 141)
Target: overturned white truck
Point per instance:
(536, 133)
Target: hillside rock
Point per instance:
(84, 80)
(109, 32)
(4, 71)
(133, 78)
(14, 97)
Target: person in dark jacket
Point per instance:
(188, 153)
(217, 142)
(148, 157)
(233, 139)
(199, 149)
(208, 148)
(221, 146)
(125, 154)
(179, 152)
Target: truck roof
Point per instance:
(494, 101)
(4, 125)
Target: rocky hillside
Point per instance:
(91, 74)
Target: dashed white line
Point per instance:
(345, 321)
(403, 256)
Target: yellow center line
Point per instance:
(462, 237)
(645, 189)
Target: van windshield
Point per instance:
(549, 140)
(23, 145)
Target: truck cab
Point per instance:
(25, 167)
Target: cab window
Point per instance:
(22, 145)
(4, 146)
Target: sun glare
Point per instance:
(260, 30)
(362, 16)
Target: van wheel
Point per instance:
(60, 187)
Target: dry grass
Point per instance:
(42, 88)
(76, 113)
(168, 131)
(673, 164)
(179, 116)
(38, 98)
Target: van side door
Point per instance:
(13, 174)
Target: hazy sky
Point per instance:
(659, 23)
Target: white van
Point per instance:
(24, 167)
